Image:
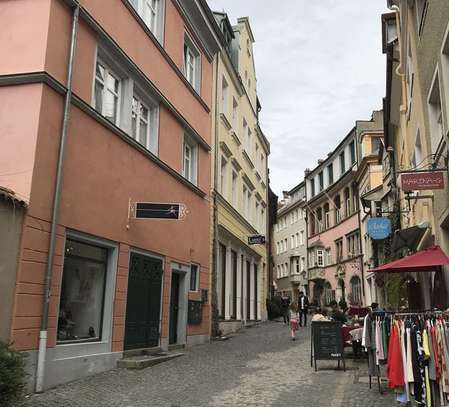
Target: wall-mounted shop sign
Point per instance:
(379, 228)
(153, 210)
(417, 181)
(256, 239)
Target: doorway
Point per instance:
(174, 308)
(248, 291)
(143, 307)
(177, 328)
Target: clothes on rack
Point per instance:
(418, 360)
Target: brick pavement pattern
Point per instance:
(259, 367)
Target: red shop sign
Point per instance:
(417, 181)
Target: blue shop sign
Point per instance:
(379, 228)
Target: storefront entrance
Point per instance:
(143, 308)
(174, 308)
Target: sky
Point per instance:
(319, 68)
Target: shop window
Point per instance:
(82, 292)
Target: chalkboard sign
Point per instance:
(195, 312)
(327, 342)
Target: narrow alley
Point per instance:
(259, 366)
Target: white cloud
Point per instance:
(319, 67)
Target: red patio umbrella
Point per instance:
(424, 260)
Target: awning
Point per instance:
(408, 238)
(425, 260)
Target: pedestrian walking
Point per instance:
(285, 303)
(294, 320)
(303, 308)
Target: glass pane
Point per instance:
(134, 125)
(100, 72)
(110, 106)
(82, 293)
(98, 96)
(112, 83)
(193, 277)
(143, 133)
(143, 112)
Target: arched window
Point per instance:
(356, 291)
(347, 202)
(337, 206)
(328, 295)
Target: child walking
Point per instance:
(294, 319)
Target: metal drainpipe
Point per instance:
(43, 334)
(214, 299)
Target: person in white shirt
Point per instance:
(303, 305)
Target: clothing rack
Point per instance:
(401, 315)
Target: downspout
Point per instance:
(43, 334)
(215, 327)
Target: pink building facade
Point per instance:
(139, 131)
(333, 244)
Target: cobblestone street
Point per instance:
(256, 367)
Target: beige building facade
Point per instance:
(240, 182)
(289, 245)
(416, 43)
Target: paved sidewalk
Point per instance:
(259, 367)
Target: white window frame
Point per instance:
(224, 95)
(223, 176)
(320, 258)
(197, 281)
(156, 26)
(235, 113)
(117, 94)
(190, 143)
(191, 50)
(436, 121)
(234, 188)
(152, 136)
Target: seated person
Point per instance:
(337, 314)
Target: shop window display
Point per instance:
(82, 292)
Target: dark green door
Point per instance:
(143, 306)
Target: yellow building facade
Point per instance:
(240, 278)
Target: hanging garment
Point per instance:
(404, 360)
(418, 373)
(385, 336)
(422, 362)
(395, 369)
(365, 336)
(409, 364)
(379, 344)
(425, 341)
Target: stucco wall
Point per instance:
(11, 219)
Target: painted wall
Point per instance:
(102, 171)
(11, 219)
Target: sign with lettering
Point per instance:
(327, 341)
(418, 181)
(379, 228)
(256, 239)
(153, 210)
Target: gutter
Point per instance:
(43, 334)
(214, 309)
